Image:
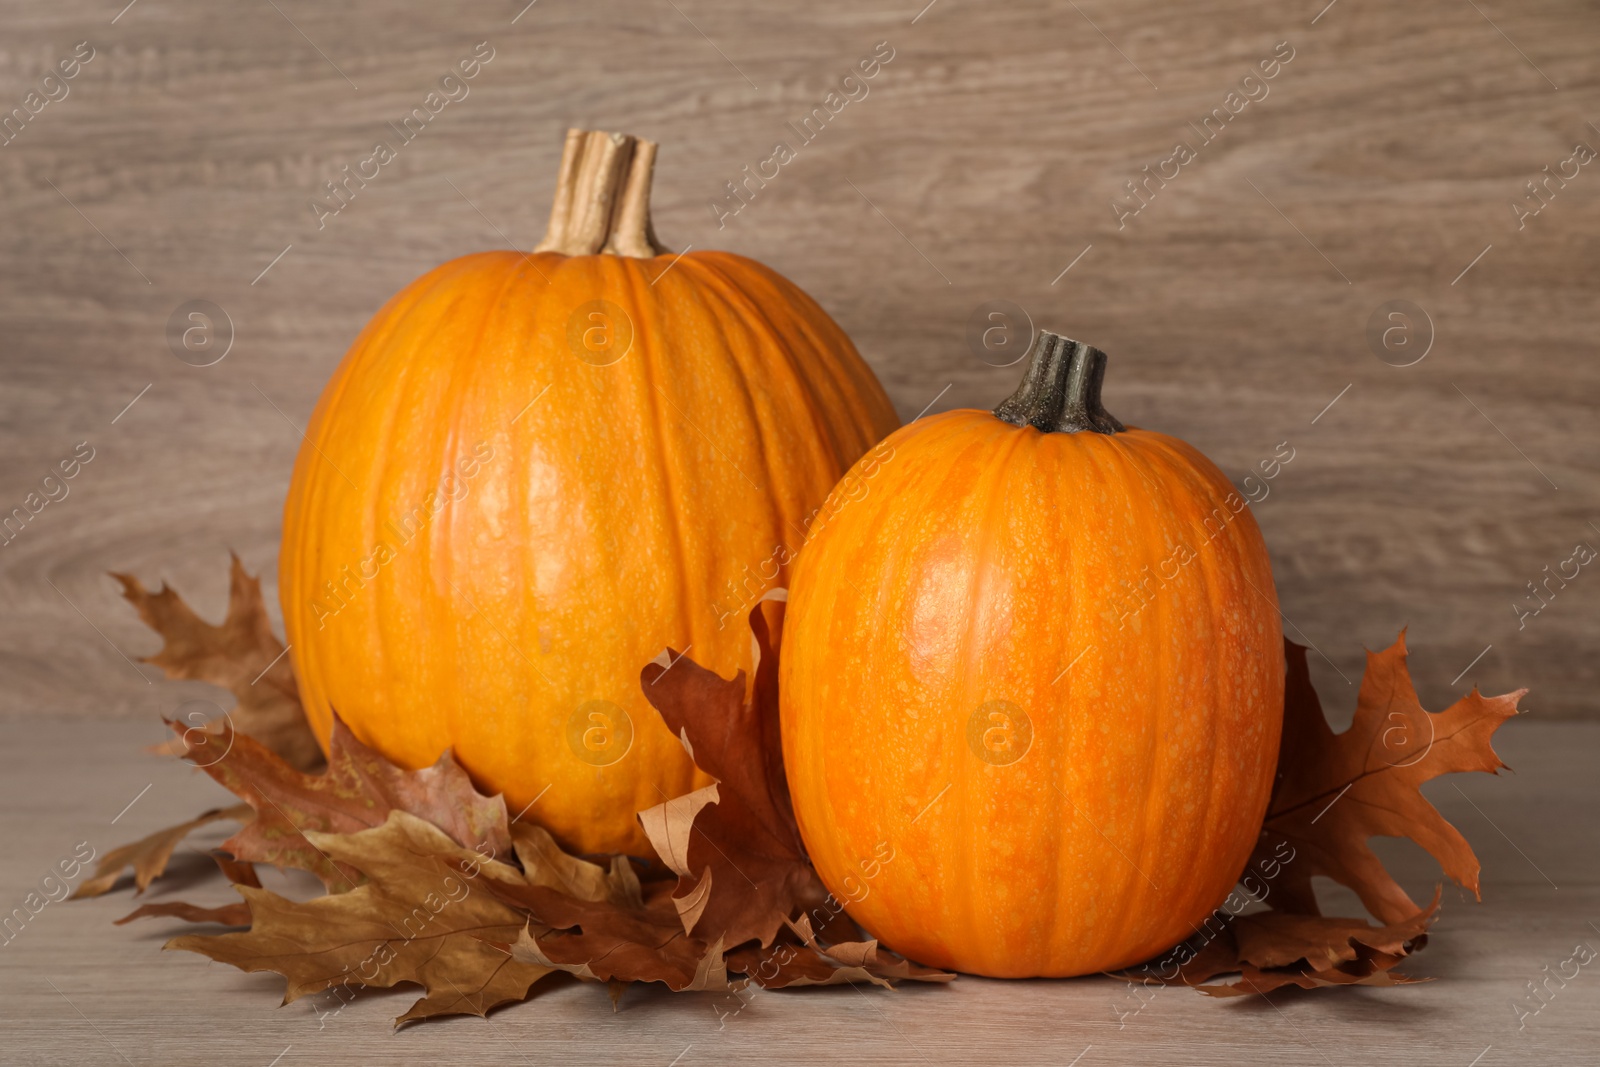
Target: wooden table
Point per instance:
(79, 990)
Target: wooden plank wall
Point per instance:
(1380, 163)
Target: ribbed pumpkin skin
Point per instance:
(629, 508)
(979, 563)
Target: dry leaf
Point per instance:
(149, 855)
(358, 790)
(740, 833)
(241, 655)
(599, 940)
(613, 949)
(1277, 939)
(421, 917)
(236, 871)
(631, 935)
(236, 914)
(544, 863)
(224, 915)
(789, 963)
(837, 963)
(1272, 949)
(1334, 791)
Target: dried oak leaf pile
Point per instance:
(430, 882)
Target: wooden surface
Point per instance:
(62, 783)
(981, 164)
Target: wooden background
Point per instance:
(983, 163)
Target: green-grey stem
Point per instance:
(1060, 393)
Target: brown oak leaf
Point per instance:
(1335, 791)
(423, 916)
(546, 864)
(599, 924)
(1272, 949)
(604, 925)
(358, 790)
(788, 962)
(610, 955)
(149, 856)
(237, 872)
(646, 943)
(236, 914)
(735, 844)
(242, 655)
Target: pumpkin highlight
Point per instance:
(1040, 659)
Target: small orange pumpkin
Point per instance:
(1035, 658)
(532, 473)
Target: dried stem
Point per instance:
(602, 201)
(1060, 392)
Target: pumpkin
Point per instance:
(534, 472)
(1032, 684)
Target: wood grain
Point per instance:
(981, 163)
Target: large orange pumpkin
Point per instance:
(532, 473)
(1032, 684)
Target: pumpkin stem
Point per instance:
(1060, 393)
(602, 201)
